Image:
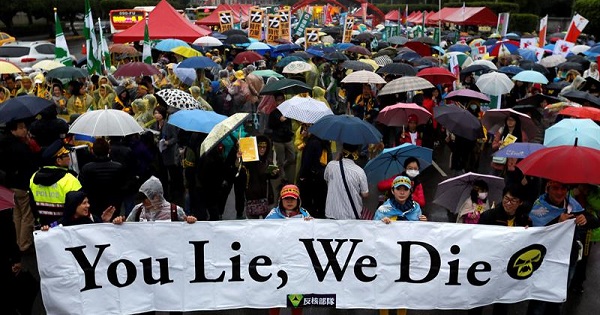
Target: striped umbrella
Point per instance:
(304, 109)
(405, 84)
(383, 60)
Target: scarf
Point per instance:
(409, 211)
(543, 212)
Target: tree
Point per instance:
(589, 9)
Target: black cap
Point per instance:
(55, 149)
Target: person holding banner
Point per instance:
(77, 211)
(555, 206)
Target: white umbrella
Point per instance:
(304, 109)
(484, 62)
(105, 122)
(552, 61)
(364, 76)
(578, 49)
(494, 83)
(297, 67)
(327, 39)
(208, 41)
(222, 130)
(258, 46)
(405, 84)
(47, 65)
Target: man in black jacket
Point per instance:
(103, 180)
(282, 136)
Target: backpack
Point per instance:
(174, 216)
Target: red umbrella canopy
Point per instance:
(359, 50)
(437, 75)
(582, 163)
(246, 57)
(135, 69)
(398, 114)
(7, 198)
(581, 112)
(420, 48)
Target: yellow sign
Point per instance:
(348, 26)
(255, 23)
(311, 37)
(284, 25)
(225, 20)
(249, 149)
(273, 23)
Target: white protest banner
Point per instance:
(562, 47)
(144, 266)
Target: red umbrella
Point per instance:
(581, 112)
(437, 75)
(420, 48)
(246, 57)
(359, 50)
(7, 198)
(566, 164)
(135, 69)
(397, 115)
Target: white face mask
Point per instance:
(482, 195)
(412, 173)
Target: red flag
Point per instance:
(577, 25)
(405, 15)
(543, 29)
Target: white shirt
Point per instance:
(338, 204)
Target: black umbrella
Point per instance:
(458, 121)
(218, 35)
(530, 65)
(537, 99)
(530, 110)
(402, 69)
(335, 56)
(579, 59)
(288, 86)
(582, 97)
(66, 73)
(332, 30)
(475, 68)
(234, 31)
(566, 66)
(388, 51)
(22, 107)
(357, 65)
(591, 85)
(397, 40)
(553, 88)
(236, 39)
(364, 37)
(407, 56)
(425, 40)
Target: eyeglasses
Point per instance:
(509, 200)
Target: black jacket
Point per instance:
(17, 162)
(281, 130)
(103, 182)
(497, 216)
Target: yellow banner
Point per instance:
(284, 25)
(311, 37)
(273, 23)
(348, 25)
(255, 25)
(225, 20)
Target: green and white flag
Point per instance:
(93, 64)
(61, 50)
(147, 51)
(105, 53)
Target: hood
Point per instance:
(261, 138)
(72, 200)
(153, 190)
(578, 82)
(48, 176)
(139, 106)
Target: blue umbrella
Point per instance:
(170, 43)
(286, 60)
(346, 129)
(549, 47)
(198, 63)
(518, 150)
(21, 107)
(530, 76)
(343, 46)
(195, 120)
(510, 70)
(390, 162)
(460, 48)
(585, 132)
(218, 35)
(287, 47)
(527, 54)
(186, 75)
(490, 41)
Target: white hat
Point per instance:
(17, 78)
(38, 81)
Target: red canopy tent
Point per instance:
(412, 15)
(418, 18)
(243, 9)
(429, 16)
(213, 18)
(393, 15)
(442, 14)
(163, 22)
(473, 16)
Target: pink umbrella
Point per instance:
(7, 198)
(465, 95)
(397, 115)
